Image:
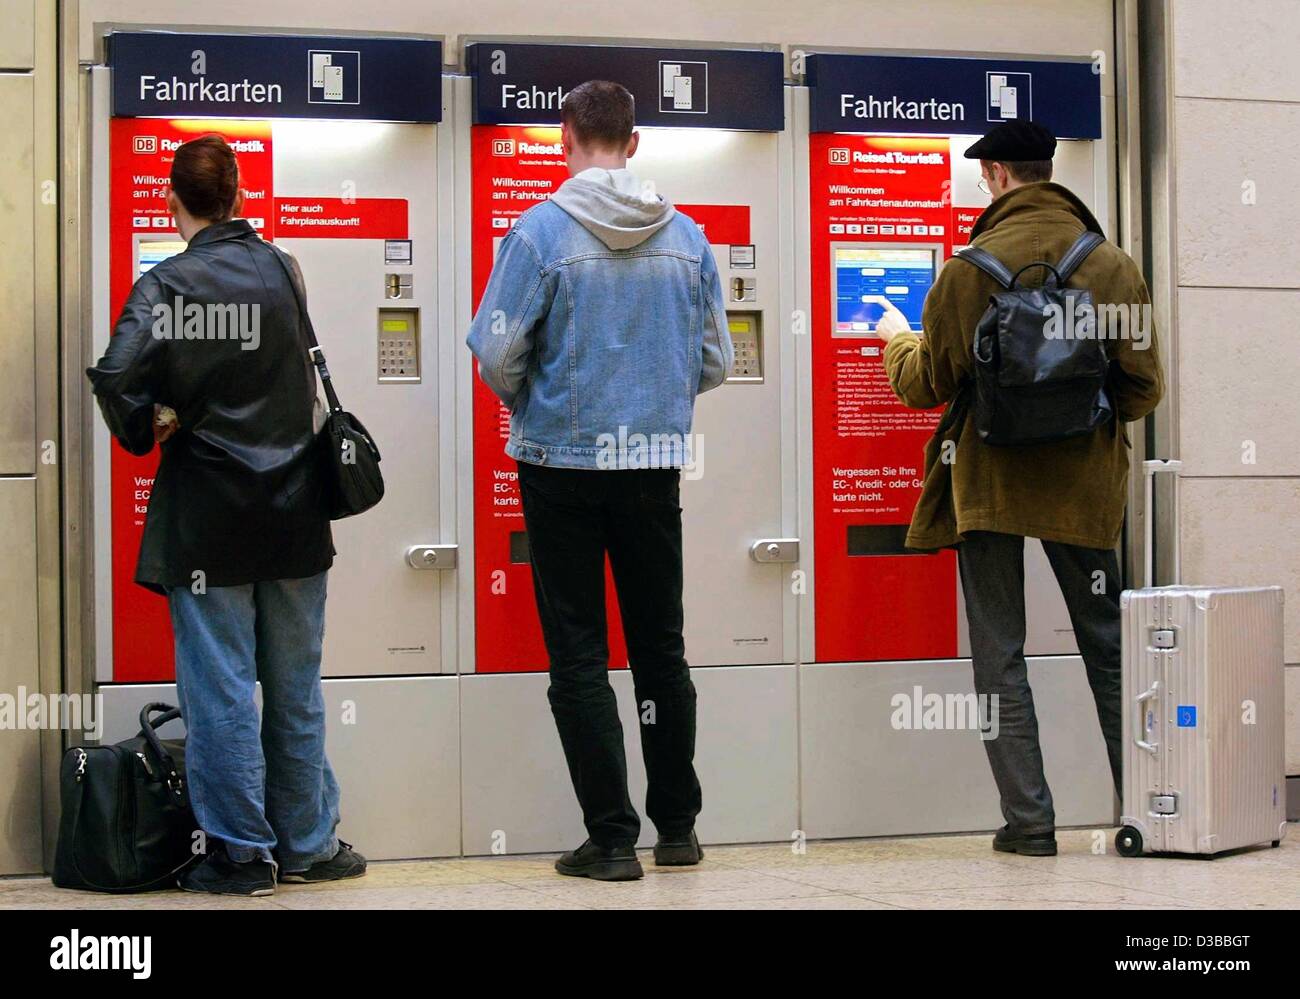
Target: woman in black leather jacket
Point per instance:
(208, 360)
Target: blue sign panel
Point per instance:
(951, 96)
(1187, 716)
(158, 74)
(520, 83)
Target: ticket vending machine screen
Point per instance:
(863, 275)
(149, 252)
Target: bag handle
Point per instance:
(175, 782)
(314, 351)
(1068, 264)
(1053, 281)
(1151, 468)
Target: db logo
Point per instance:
(144, 144)
(839, 156)
(503, 147)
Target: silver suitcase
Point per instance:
(1204, 716)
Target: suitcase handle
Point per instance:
(1151, 468)
(1150, 747)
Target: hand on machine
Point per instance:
(892, 321)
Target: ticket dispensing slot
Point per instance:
(746, 337)
(878, 539)
(399, 345)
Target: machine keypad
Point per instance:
(747, 345)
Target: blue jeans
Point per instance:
(264, 791)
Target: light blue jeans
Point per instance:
(263, 791)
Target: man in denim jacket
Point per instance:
(603, 319)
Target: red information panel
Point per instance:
(513, 167)
(722, 225)
(341, 218)
(963, 221)
(873, 603)
(140, 234)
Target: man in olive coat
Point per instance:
(986, 500)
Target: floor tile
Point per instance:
(949, 872)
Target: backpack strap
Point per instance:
(1077, 253)
(989, 264)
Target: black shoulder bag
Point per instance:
(349, 456)
(1031, 386)
(126, 824)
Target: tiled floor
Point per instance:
(926, 873)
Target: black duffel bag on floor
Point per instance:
(126, 824)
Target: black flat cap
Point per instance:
(1014, 141)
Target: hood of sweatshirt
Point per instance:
(614, 207)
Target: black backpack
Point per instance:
(1029, 387)
(126, 824)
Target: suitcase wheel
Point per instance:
(1128, 841)
(1276, 843)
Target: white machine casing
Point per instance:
(1204, 716)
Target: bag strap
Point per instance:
(989, 264)
(314, 351)
(175, 782)
(1076, 255)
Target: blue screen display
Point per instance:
(903, 276)
(153, 252)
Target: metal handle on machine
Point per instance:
(775, 550)
(432, 556)
(1150, 469)
(1150, 747)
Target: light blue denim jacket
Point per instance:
(602, 320)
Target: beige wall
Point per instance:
(1236, 121)
(27, 289)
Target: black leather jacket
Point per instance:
(239, 491)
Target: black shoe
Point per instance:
(219, 875)
(347, 863)
(601, 863)
(678, 851)
(1033, 845)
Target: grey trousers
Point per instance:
(993, 581)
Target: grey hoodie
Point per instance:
(612, 206)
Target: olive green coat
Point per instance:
(1072, 491)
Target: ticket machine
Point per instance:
(714, 142)
(886, 197)
(355, 182)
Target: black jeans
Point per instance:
(575, 517)
(993, 582)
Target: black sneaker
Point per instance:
(600, 863)
(347, 863)
(1033, 845)
(219, 875)
(678, 851)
